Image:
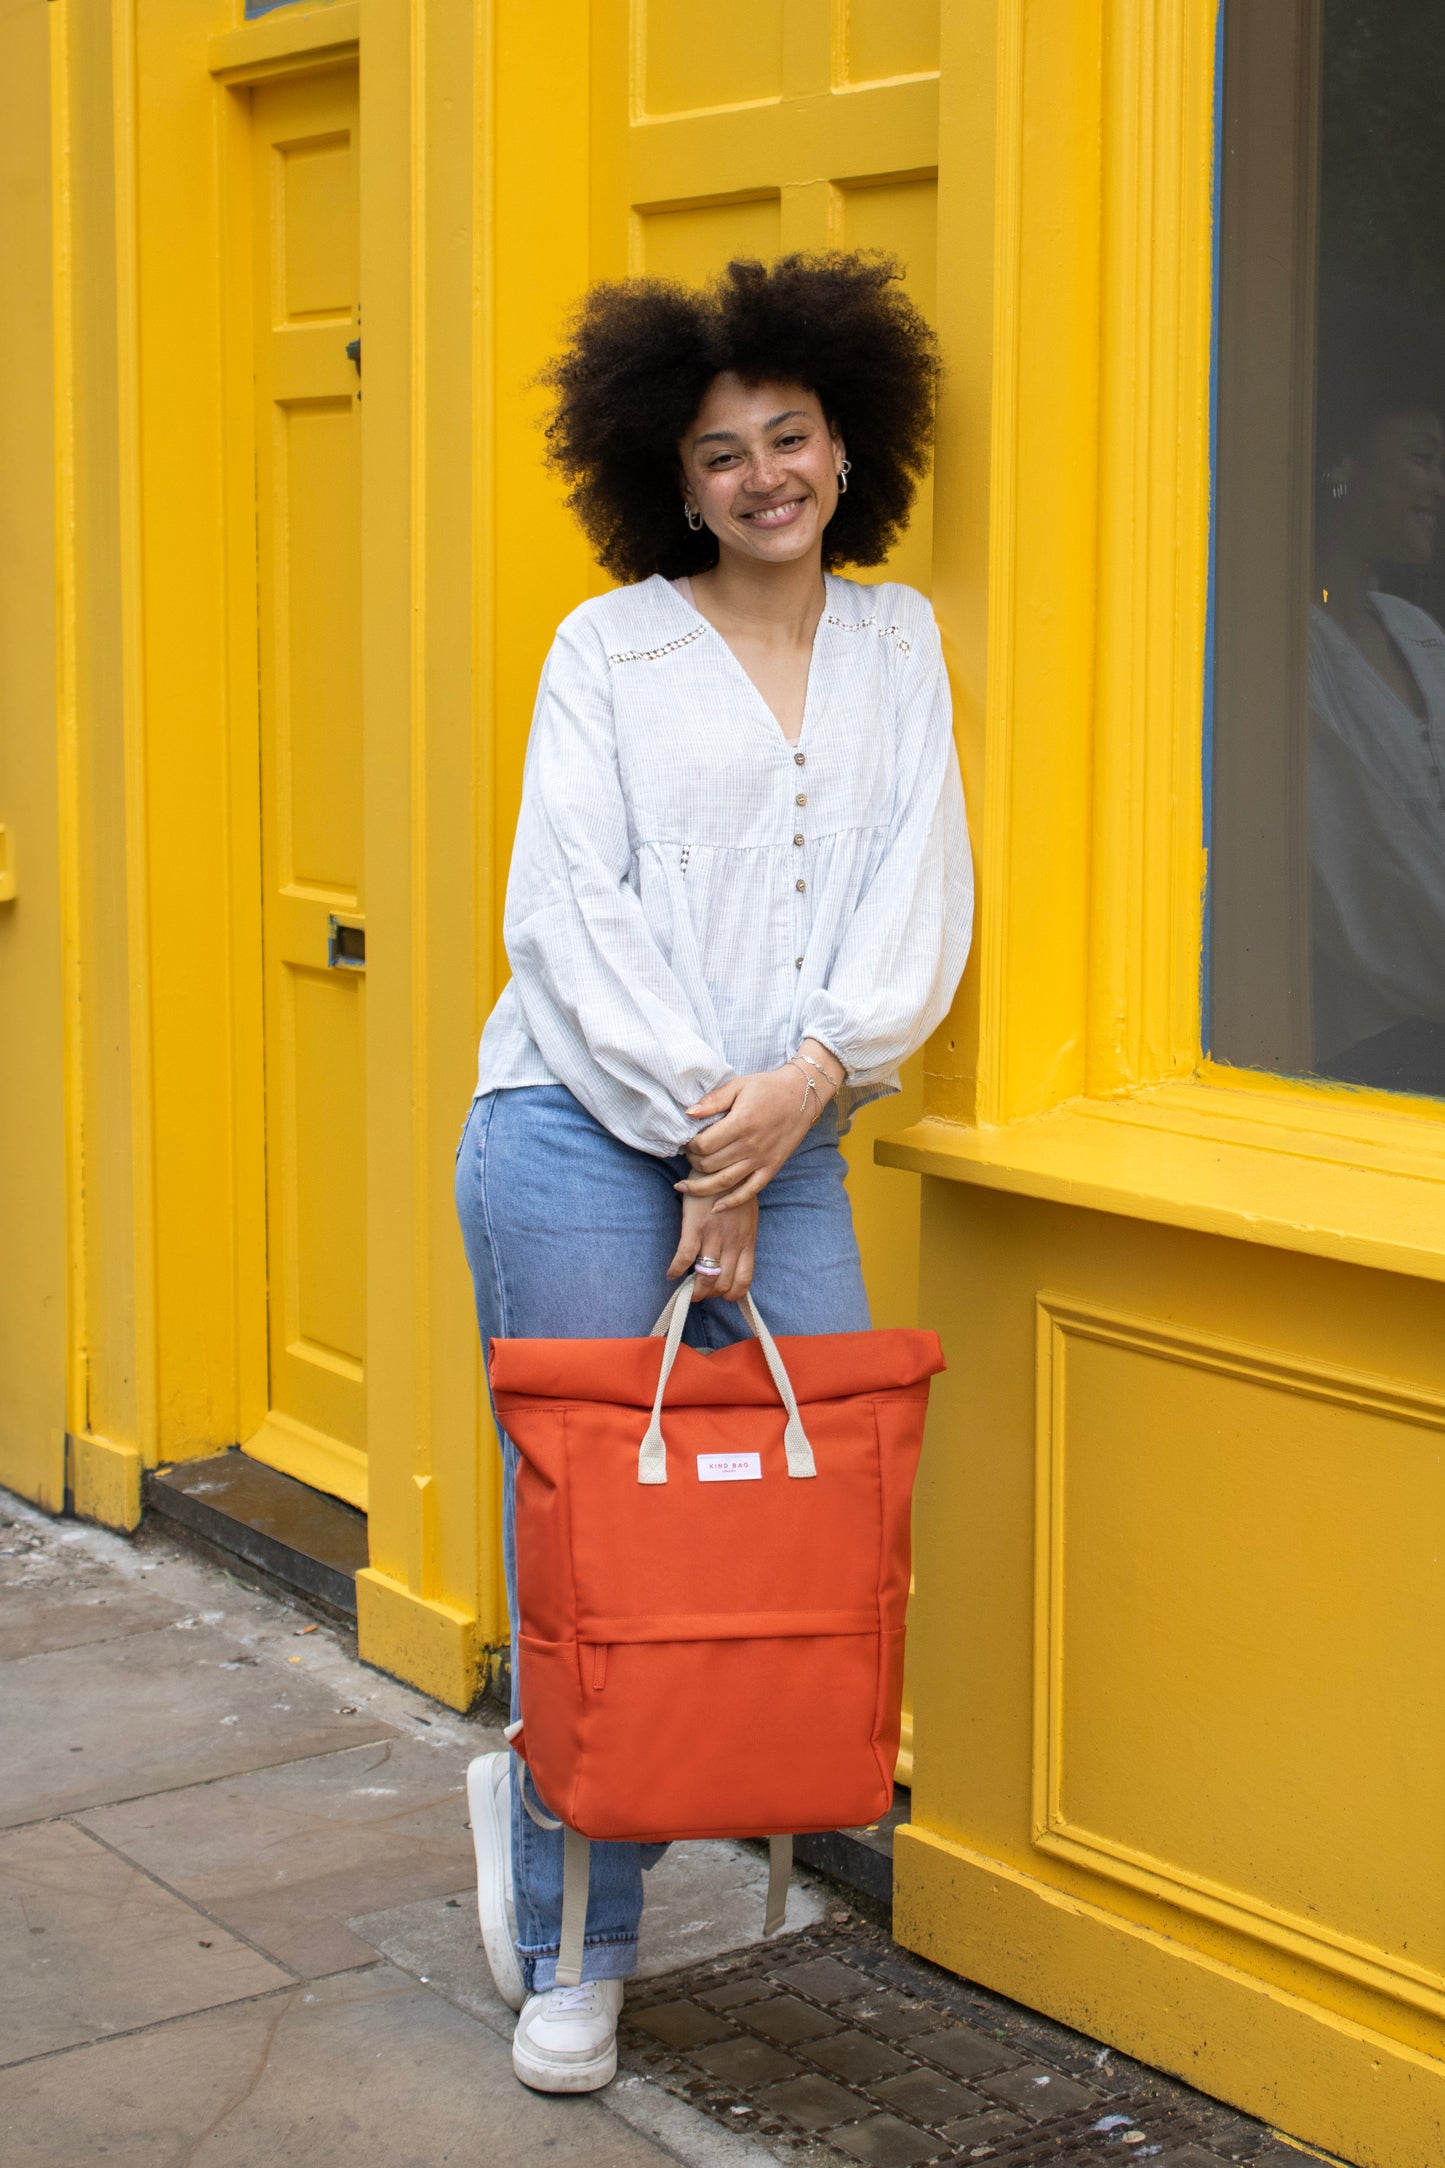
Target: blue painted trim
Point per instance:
(1206, 1020)
(268, 7)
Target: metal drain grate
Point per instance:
(836, 2046)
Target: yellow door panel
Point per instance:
(902, 217)
(305, 213)
(315, 269)
(693, 244)
(883, 38)
(694, 59)
(1152, 1464)
(316, 509)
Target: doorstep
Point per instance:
(235, 1508)
(861, 1859)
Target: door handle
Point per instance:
(345, 945)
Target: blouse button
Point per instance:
(797, 963)
(798, 839)
(802, 798)
(800, 886)
(800, 759)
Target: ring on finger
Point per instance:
(709, 1265)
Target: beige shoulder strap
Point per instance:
(576, 1873)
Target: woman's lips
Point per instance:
(775, 515)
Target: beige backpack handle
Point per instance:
(652, 1457)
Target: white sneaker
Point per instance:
(489, 1803)
(566, 2039)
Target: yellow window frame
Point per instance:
(1077, 155)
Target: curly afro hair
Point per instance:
(642, 352)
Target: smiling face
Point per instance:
(761, 465)
(1394, 489)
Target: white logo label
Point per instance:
(730, 1467)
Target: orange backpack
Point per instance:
(711, 1629)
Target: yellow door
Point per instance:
(308, 428)
(772, 126)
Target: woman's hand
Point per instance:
(731, 1239)
(764, 1118)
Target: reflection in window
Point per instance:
(1327, 859)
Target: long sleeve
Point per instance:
(900, 959)
(605, 1010)
(1377, 836)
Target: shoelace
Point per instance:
(572, 1998)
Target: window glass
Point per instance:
(1326, 947)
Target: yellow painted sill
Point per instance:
(1319, 1169)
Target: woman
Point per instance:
(740, 896)
(1377, 707)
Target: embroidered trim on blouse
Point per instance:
(652, 654)
(866, 624)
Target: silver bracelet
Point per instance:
(835, 1084)
(808, 1086)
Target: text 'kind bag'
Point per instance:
(712, 1599)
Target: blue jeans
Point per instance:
(569, 1235)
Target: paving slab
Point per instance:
(926, 2097)
(883, 2142)
(90, 1946)
(152, 1712)
(894, 2016)
(703, 1901)
(984, 2129)
(287, 1854)
(35, 1620)
(364, 2070)
(859, 2058)
(815, 2103)
(786, 2020)
(1040, 2093)
(965, 2054)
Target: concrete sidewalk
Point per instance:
(230, 1857)
(238, 1928)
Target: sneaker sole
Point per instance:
(545, 2077)
(491, 1843)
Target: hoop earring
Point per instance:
(693, 518)
(844, 471)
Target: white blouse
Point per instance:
(1377, 831)
(690, 895)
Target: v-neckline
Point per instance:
(1425, 722)
(791, 745)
